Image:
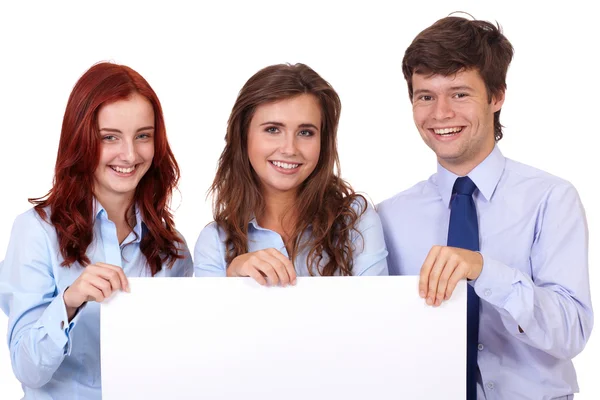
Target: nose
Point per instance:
(288, 144)
(127, 153)
(443, 109)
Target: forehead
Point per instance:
(437, 82)
(300, 109)
(133, 110)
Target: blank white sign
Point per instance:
(325, 338)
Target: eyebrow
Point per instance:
(145, 128)
(283, 125)
(421, 91)
(463, 87)
(451, 89)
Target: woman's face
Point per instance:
(126, 146)
(284, 142)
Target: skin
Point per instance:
(456, 121)
(287, 133)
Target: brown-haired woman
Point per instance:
(280, 208)
(105, 218)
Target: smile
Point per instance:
(447, 131)
(288, 166)
(123, 170)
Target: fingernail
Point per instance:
(422, 293)
(429, 302)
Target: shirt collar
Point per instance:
(485, 176)
(140, 227)
(254, 222)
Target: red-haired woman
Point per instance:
(281, 209)
(106, 217)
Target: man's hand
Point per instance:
(443, 268)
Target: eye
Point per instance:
(272, 129)
(425, 97)
(109, 138)
(306, 132)
(144, 136)
(460, 95)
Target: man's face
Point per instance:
(454, 118)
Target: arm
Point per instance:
(369, 246)
(267, 266)
(209, 257)
(38, 324)
(551, 309)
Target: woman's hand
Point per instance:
(96, 283)
(268, 266)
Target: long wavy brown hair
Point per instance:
(71, 199)
(325, 201)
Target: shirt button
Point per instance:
(487, 292)
(479, 347)
(490, 385)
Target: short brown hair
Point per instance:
(455, 44)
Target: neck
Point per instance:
(463, 167)
(116, 207)
(279, 213)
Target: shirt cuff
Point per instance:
(55, 321)
(495, 283)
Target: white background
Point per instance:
(198, 58)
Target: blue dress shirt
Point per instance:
(52, 357)
(535, 309)
(369, 256)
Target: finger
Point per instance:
(459, 273)
(287, 263)
(448, 270)
(426, 270)
(100, 283)
(278, 267)
(267, 270)
(257, 276)
(434, 276)
(124, 283)
(92, 292)
(110, 275)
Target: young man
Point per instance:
(517, 234)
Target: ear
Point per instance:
(498, 101)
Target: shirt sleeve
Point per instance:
(551, 309)
(209, 257)
(38, 327)
(369, 245)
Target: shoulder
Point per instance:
(30, 224)
(415, 194)
(536, 182)
(210, 237)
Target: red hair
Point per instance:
(71, 199)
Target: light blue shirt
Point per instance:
(534, 242)
(369, 256)
(52, 357)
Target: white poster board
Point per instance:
(325, 338)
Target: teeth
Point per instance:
(285, 165)
(445, 131)
(124, 170)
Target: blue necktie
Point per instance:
(463, 232)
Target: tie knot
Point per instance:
(464, 185)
